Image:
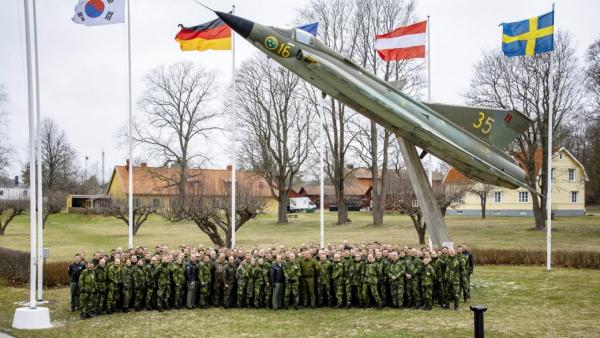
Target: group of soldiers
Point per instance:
(364, 275)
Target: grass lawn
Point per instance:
(521, 301)
(66, 234)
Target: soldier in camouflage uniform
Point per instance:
(139, 284)
(219, 284)
(204, 278)
(396, 277)
(464, 273)
(87, 287)
(427, 278)
(150, 278)
(292, 275)
(268, 262)
(382, 284)
(100, 296)
(324, 269)
(163, 284)
(452, 279)
(228, 287)
(370, 281)
(259, 282)
(337, 275)
(113, 275)
(308, 267)
(127, 282)
(442, 266)
(348, 275)
(413, 287)
(357, 281)
(178, 277)
(241, 275)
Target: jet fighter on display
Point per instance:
(470, 139)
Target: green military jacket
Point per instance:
(113, 274)
(258, 275)
(358, 273)
(348, 270)
(324, 269)
(100, 275)
(397, 270)
(427, 275)
(150, 276)
(413, 267)
(309, 267)
(292, 272)
(337, 270)
(242, 272)
(204, 276)
(178, 274)
(371, 274)
(163, 275)
(452, 273)
(127, 277)
(87, 281)
(139, 277)
(230, 274)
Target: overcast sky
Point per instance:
(83, 70)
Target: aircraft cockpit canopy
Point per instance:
(296, 34)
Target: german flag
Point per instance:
(210, 35)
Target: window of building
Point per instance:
(415, 203)
(571, 174)
(560, 156)
(552, 173)
(523, 196)
(459, 212)
(523, 212)
(573, 196)
(156, 203)
(497, 197)
(497, 212)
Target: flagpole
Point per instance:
(322, 171)
(429, 171)
(32, 159)
(130, 103)
(549, 168)
(233, 131)
(40, 201)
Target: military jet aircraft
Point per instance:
(469, 138)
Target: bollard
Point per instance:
(478, 311)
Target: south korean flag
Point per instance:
(99, 12)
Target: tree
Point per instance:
(276, 125)
(523, 84)
(119, 208)
(5, 150)
(9, 209)
(54, 202)
(212, 214)
(175, 105)
(482, 191)
(337, 30)
(592, 77)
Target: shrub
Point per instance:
(560, 258)
(14, 267)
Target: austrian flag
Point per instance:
(403, 43)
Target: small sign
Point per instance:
(449, 245)
(46, 253)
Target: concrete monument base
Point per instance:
(31, 319)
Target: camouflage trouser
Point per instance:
(86, 302)
(427, 292)
(465, 287)
(139, 297)
(100, 297)
(443, 291)
(241, 288)
(218, 291)
(308, 296)
(357, 290)
(162, 296)
(203, 289)
(291, 288)
(268, 291)
(112, 297)
(178, 294)
(249, 293)
(258, 294)
(372, 287)
(414, 291)
(149, 297)
(324, 290)
(397, 290)
(126, 293)
(453, 294)
(383, 291)
(338, 289)
(348, 291)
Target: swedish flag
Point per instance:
(529, 37)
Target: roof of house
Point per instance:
(454, 176)
(349, 190)
(159, 181)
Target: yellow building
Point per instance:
(568, 191)
(155, 185)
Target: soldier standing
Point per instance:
(452, 279)
(219, 280)
(74, 270)
(309, 267)
(292, 273)
(191, 275)
(357, 280)
(268, 261)
(277, 280)
(150, 277)
(370, 282)
(139, 284)
(87, 286)
(241, 275)
(464, 273)
(100, 276)
(250, 283)
(163, 283)
(113, 275)
(127, 281)
(178, 276)
(229, 283)
(324, 278)
(427, 278)
(337, 275)
(396, 277)
(413, 287)
(204, 278)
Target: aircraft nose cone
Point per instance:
(242, 26)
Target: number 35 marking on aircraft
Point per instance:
(484, 123)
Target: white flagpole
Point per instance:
(234, 138)
(130, 164)
(40, 201)
(32, 159)
(322, 169)
(429, 171)
(549, 169)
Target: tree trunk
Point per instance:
(421, 233)
(282, 217)
(483, 205)
(2, 229)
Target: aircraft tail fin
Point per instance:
(495, 126)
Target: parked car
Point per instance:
(299, 204)
(350, 205)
